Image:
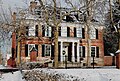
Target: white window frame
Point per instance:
(64, 31)
(48, 31)
(92, 33)
(79, 32)
(91, 50)
(46, 51)
(31, 31)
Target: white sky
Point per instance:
(13, 4)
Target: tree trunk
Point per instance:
(56, 47)
(89, 4)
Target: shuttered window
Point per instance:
(46, 31)
(29, 47)
(79, 32)
(94, 51)
(31, 31)
(46, 50)
(64, 31)
(82, 51)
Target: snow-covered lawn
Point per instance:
(65, 74)
(93, 74)
(15, 76)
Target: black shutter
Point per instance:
(59, 31)
(59, 52)
(52, 32)
(16, 51)
(83, 51)
(26, 50)
(96, 33)
(43, 30)
(97, 52)
(36, 30)
(75, 32)
(13, 52)
(43, 50)
(83, 33)
(68, 31)
(52, 52)
(27, 30)
(36, 46)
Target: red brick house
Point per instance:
(72, 40)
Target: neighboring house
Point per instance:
(72, 40)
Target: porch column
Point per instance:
(78, 56)
(73, 55)
(61, 49)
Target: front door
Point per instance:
(65, 52)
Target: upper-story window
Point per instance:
(64, 31)
(32, 30)
(46, 31)
(79, 32)
(93, 33)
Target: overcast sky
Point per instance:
(13, 4)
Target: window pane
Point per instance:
(47, 50)
(92, 51)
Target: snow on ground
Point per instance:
(2, 67)
(86, 74)
(69, 74)
(93, 74)
(15, 76)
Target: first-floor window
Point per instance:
(29, 47)
(46, 50)
(82, 51)
(94, 51)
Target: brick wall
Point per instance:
(108, 60)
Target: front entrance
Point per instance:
(65, 53)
